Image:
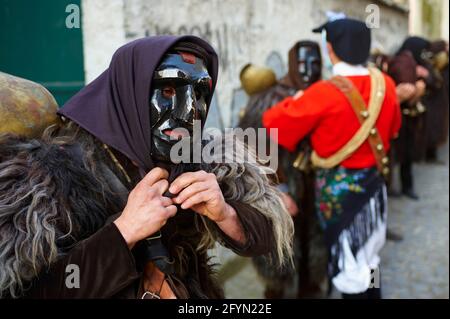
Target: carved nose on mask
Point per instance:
(185, 111)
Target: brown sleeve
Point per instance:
(402, 68)
(257, 229)
(106, 266)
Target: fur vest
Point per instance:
(53, 194)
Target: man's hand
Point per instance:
(421, 88)
(200, 192)
(422, 72)
(405, 92)
(299, 94)
(290, 204)
(146, 210)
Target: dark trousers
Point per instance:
(406, 175)
(432, 154)
(409, 148)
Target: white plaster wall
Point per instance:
(415, 17)
(445, 22)
(103, 32)
(423, 28)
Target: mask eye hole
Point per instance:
(169, 92)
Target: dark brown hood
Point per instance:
(115, 106)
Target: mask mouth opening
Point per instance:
(176, 134)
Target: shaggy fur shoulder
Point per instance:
(51, 198)
(245, 179)
(45, 194)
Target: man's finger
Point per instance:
(171, 211)
(185, 180)
(195, 199)
(153, 176)
(161, 186)
(190, 191)
(166, 201)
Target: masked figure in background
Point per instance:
(436, 100)
(100, 193)
(405, 91)
(409, 68)
(296, 178)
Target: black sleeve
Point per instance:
(402, 69)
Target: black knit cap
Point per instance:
(351, 39)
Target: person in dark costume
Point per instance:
(101, 192)
(441, 59)
(405, 91)
(297, 182)
(436, 101)
(409, 67)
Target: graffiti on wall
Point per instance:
(230, 41)
(231, 44)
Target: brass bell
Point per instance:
(380, 147)
(26, 107)
(386, 171)
(255, 79)
(373, 132)
(385, 160)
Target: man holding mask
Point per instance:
(106, 197)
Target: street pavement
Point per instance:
(416, 267)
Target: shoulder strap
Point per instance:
(367, 117)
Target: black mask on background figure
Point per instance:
(182, 87)
(305, 64)
(309, 64)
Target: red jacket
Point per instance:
(325, 112)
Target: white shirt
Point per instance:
(345, 69)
